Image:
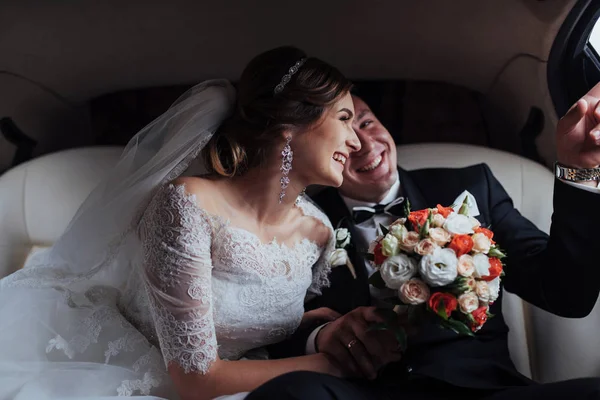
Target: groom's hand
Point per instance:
(356, 349)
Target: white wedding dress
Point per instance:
(143, 277)
(199, 288)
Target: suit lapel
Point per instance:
(342, 283)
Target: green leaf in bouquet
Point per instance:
(377, 281)
(464, 208)
(424, 231)
(457, 326)
(496, 252)
(459, 286)
(384, 230)
(393, 323)
(406, 208)
(399, 332)
(442, 310)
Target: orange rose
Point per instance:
(461, 244)
(486, 232)
(479, 317)
(494, 271)
(445, 211)
(418, 218)
(379, 257)
(446, 300)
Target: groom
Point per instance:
(438, 363)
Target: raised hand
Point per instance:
(578, 133)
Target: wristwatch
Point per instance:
(576, 174)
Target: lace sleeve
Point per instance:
(176, 235)
(322, 267)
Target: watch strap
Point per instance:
(576, 174)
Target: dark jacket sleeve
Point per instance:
(558, 273)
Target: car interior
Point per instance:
(456, 83)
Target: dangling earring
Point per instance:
(286, 166)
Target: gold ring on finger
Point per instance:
(351, 343)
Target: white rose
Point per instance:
(409, 241)
(466, 266)
(474, 222)
(481, 243)
(439, 236)
(398, 269)
(458, 224)
(399, 231)
(342, 237)
(389, 245)
(414, 291)
(483, 291)
(438, 220)
(399, 221)
(494, 288)
(338, 257)
(468, 302)
(482, 265)
(439, 268)
(425, 246)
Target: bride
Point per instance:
(166, 286)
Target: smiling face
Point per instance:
(370, 172)
(324, 149)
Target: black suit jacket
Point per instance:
(536, 267)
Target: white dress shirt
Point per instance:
(367, 232)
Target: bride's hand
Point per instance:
(322, 314)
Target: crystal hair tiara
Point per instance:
(287, 77)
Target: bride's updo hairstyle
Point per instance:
(262, 112)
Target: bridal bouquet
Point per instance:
(443, 261)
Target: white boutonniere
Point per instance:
(340, 256)
(466, 201)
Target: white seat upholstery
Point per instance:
(38, 198)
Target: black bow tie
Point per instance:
(362, 214)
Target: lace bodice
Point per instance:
(215, 289)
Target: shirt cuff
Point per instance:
(583, 187)
(311, 342)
